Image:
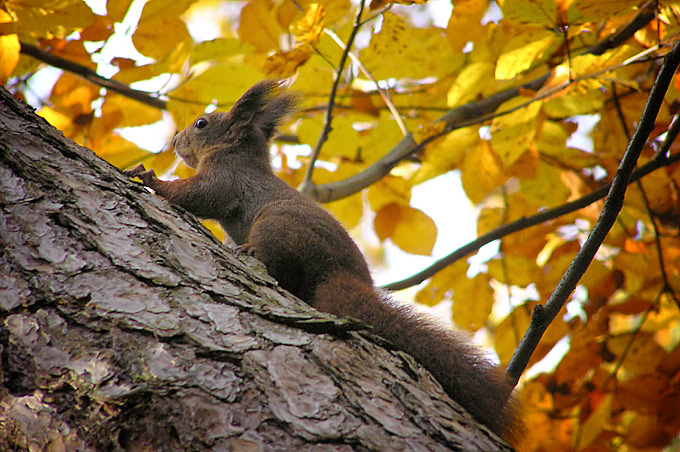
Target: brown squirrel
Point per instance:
(307, 250)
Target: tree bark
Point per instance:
(124, 325)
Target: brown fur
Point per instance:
(309, 252)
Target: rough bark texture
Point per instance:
(125, 326)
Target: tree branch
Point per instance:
(464, 113)
(661, 159)
(307, 182)
(543, 315)
(526, 222)
(128, 326)
(91, 76)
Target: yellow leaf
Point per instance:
(552, 139)
(220, 48)
(410, 229)
(282, 64)
(160, 18)
(392, 53)
(643, 357)
(470, 82)
(117, 9)
(132, 113)
(309, 29)
(575, 101)
(526, 50)
(259, 26)
(216, 229)
(440, 285)
(376, 4)
(347, 210)
(596, 422)
(511, 134)
(534, 12)
(465, 22)
(71, 93)
(390, 189)
(172, 28)
(343, 140)
(514, 270)
(223, 84)
(481, 171)
(597, 10)
(49, 18)
(546, 189)
(9, 51)
(99, 30)
(659, 190)
(314, 80)
(133, 74)
(378, 140)
(489, 218)
(446, 154)
(510, 332)
(335, 11)
(122, 153)
(583, 65)
(57, 119)
(472, 302)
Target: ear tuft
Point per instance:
(262, 108)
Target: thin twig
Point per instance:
(382, 92)
(543, 316)
(88, 74)
(331, 100)
(629, 344)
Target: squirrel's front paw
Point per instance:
(136, 171)
(147, 176)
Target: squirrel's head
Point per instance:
(246, 128)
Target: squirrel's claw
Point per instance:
(147, 176)
(245, 250)
(136, 171)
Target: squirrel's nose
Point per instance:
(174, 139)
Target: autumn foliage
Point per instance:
(501, 94)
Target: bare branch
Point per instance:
(543, 316)
(307, 182)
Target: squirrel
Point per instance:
(309, 252)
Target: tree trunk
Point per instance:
(124, 325)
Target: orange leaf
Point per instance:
(410, 229)
(596, 423)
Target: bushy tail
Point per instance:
(461, 368)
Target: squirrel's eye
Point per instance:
(200, 123)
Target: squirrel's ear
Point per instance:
(275, 110)
(262, 107)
